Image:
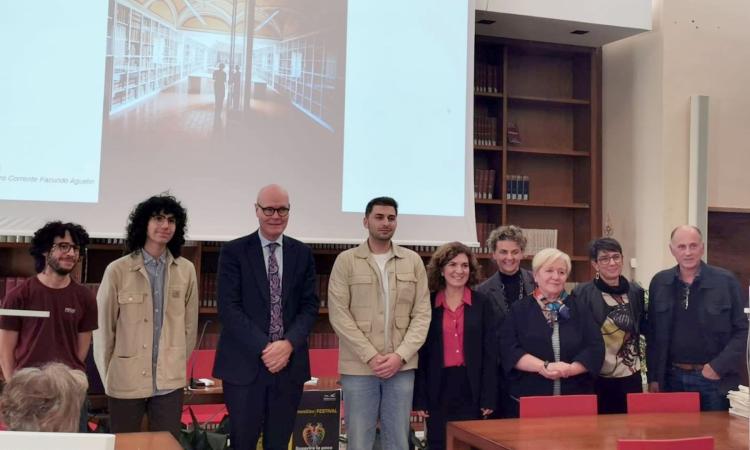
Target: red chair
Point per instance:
(663, 402)
(200, 365)
(695, 443)
(558, 405)
(324, 362)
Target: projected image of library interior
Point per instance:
(183, 65)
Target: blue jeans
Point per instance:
(367, 398)
(680, 380)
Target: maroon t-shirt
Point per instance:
(72, 310)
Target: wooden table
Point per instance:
(596, 432)
(161, 440)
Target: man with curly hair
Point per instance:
(64, 336)
(148, 316)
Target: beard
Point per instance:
(54, 264)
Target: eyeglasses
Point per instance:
(268, 211)
(65, 247)
(605, 259)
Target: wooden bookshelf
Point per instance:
(551, 95)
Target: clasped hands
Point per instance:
(385, 366)
(557, 370)
(276, 355)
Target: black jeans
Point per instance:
(612, 393)
(164, 413)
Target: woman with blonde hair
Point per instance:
(550, 343)
(456, 377)
(44, 399)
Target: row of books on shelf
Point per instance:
(485, 130)
(13, 238)
(484, 183)
(323, 340)
(487, 77)
(338, 247)
(538, 239)
(208, 290)
(517, 187)
(483, 233)
(321, 281)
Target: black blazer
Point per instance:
(244, 298)
(525, 330)
(479, 356)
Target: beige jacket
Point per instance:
(356, 308)
(123, 343)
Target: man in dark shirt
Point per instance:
(64, 336)
(698, 331)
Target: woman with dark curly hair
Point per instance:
(456, 378)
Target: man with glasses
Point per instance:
(64, 336)
(698, 332)
(268, 303)
(148, 320)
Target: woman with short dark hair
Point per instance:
(617, 307)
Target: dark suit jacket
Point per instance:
(479, 356)
(244, 309)
(525, 330)
(492, 287)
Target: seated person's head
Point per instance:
(46, 399)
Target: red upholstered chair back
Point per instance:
(694, 443)
(663, 402)
(324, 362)
(203, 363)
(560, 405)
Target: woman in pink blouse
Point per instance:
(456, 378)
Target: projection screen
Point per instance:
(107, 103)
